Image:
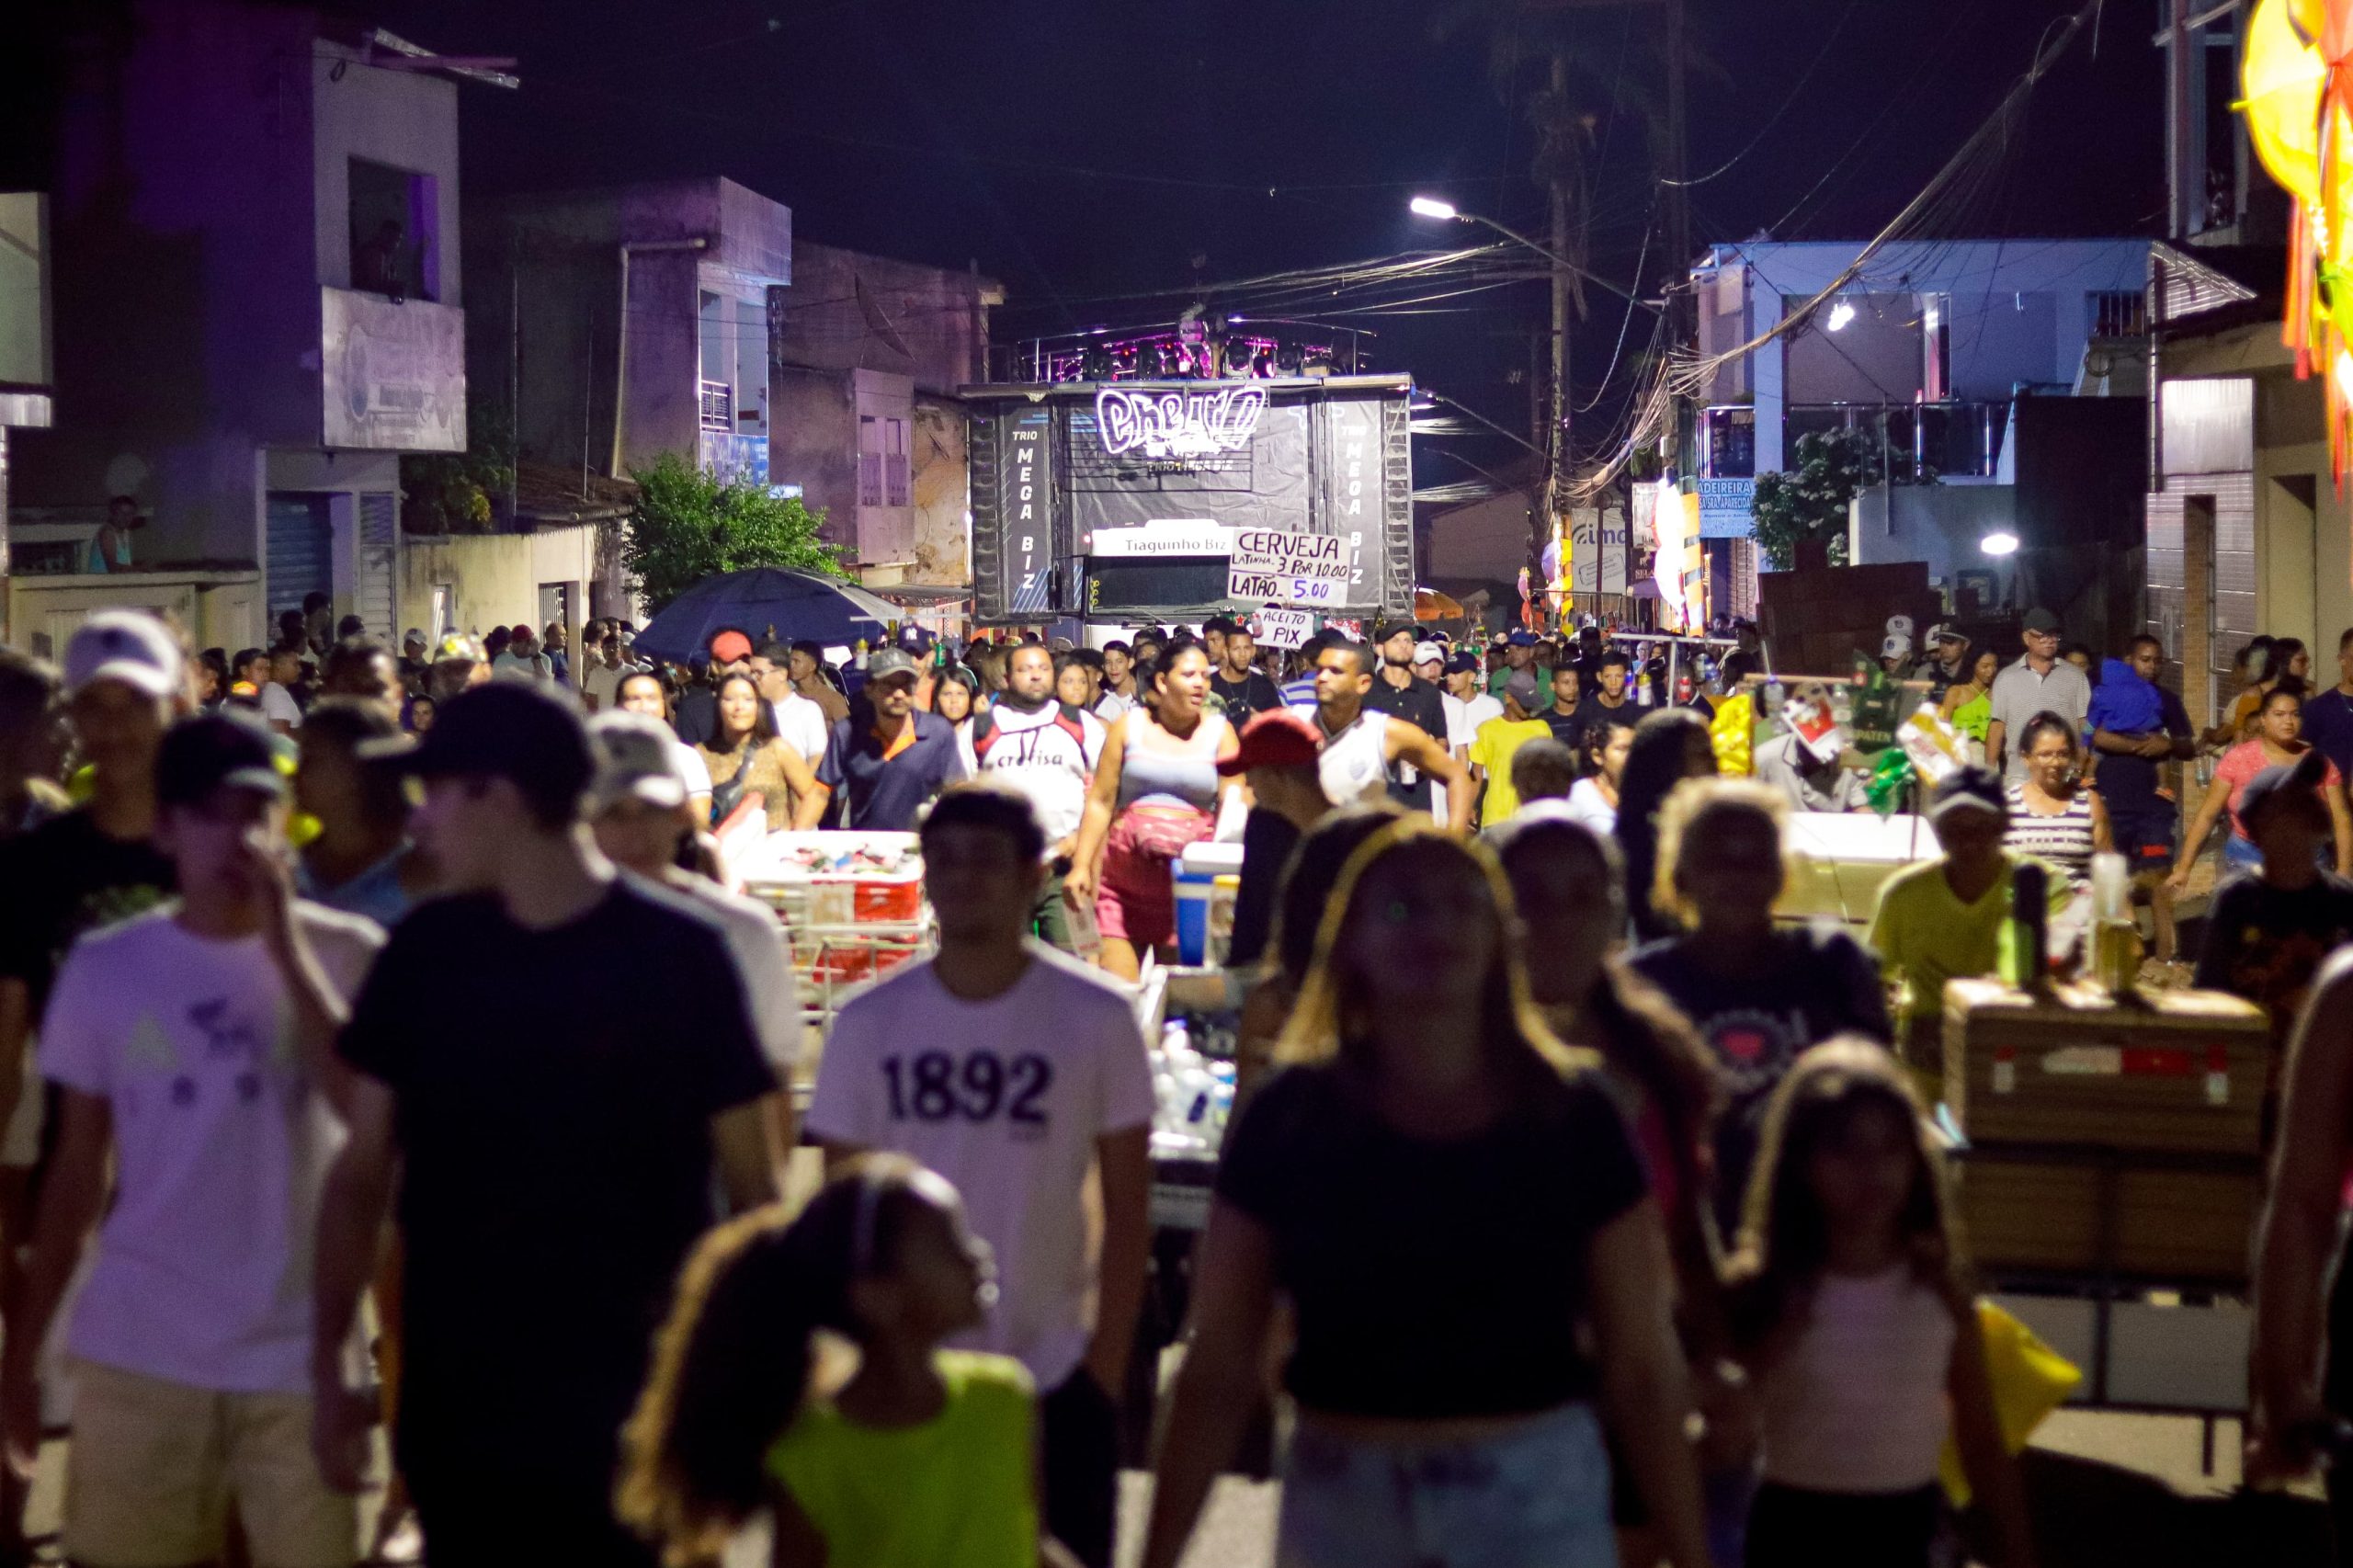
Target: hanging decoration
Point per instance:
(2298, 81)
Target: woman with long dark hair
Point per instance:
(745, 754)
(1565, 884)
(1851, 1305)
(1450, 1199)
(1155, 792)
(1669, 746)
(2278, 738)
(1307, 882)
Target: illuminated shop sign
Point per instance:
(1163, 425)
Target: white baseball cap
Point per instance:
(128, 645)
(1428, 654)
(1897, 646)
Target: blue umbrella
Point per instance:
(798, 604)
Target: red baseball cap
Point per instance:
(730, 648)
(1277, 738)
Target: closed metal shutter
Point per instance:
(301, 552)
(377, 603)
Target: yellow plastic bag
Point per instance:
(1732, 734)
(2030, 1379)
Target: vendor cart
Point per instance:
(2109, 1179)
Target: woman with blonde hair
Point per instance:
(1758, 993)
(1450, 1198)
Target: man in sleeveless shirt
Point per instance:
(1363, 747)
(1046, 750)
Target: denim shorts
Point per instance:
(1536, 1496)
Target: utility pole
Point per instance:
(1556, 442)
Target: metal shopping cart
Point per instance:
(853, 907)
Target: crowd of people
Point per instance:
(379, 1043)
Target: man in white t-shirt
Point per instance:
(1467, 704)
(193, 1046)
(279, 708)
(601, 672)
(801, 723)
(1046, 749)
(1011, 1068)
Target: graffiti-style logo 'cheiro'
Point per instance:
(1177, 425)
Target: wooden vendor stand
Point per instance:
(2109, 1176)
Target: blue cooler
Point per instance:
(1195, 874)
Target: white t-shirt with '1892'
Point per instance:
(1005, 1099)
(221, 1146)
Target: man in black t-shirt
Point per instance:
(1564, 716)
(2268, 931)
(558, 1123)
(1244, 689)
(1396, 692)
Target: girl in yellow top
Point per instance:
(925, 1457)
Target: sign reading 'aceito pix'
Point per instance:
(1272, 566)
(1285, 628)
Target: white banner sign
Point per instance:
(1285, 628)
(1164, 536)
(1289, 554)
(1270, 565)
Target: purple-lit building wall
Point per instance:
(204, 209)
(865, 355)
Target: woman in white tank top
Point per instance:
(1155, 791)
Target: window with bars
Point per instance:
(894, 462)
(2119, 312)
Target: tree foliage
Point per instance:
(460, 493)
(1810, 502)
(689, 524)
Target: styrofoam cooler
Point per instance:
(1195, 873)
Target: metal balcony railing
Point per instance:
(1919, 441)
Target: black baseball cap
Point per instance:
(207, 752)
(1972, 790)
(1388, 629)
(506, 729)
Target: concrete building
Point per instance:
(1955, 360)
(258, 307)
(865, 357)
(643, 325)
(27, 381)
(2247, 532)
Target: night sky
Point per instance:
(1080, 149)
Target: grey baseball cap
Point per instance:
(889, 664)
(636, 759)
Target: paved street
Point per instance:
(2110, 1491)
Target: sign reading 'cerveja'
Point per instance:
(1270, 565)
(1163, 426)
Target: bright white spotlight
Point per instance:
(1999, 544)
(1431, 207)
(1840, 314)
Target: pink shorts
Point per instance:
(1136, 901)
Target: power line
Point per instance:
(1774, 119)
